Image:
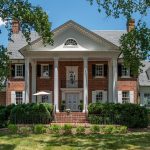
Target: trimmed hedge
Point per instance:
(31, 113)
(5, 114)
(130, 115)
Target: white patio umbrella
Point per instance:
(41, 93)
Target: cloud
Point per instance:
(2, 22)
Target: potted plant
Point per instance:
(63, 105)
(68, 111)
(81, 105)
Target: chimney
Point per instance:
(130, 24)
(15, 27)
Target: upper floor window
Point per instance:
(19, 98)
(125, 71)
(45, 70)
(99, 70)
(125, 97)
(71, 43)
(18, 70)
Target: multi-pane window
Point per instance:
(45, 99)
(19, 70)
(99, 70)
(45, 70)
(71, 42)
(99, 96)
(125, 97)
(125, 71)
(147, 99)
(19, 98)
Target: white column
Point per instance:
(110, 82)
(85, 84)
(33, 63)
(56, 86)
(114, 64)
(27, 78)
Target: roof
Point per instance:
(20, 42)
(111, 35)
(143, 78)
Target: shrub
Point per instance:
(67, 129)
(39, 129)
(80, 130)
(95, 129)
(31, 113)
(113, 129)
(25, 130)
(55, 129)
(12, 128)
(130, 115)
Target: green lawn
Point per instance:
(135, 140)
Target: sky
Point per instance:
(80, 11)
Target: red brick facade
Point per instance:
(2, 98)
(129, 84)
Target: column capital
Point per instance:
(56, 58)
(85, 58)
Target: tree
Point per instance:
(135, 45)
(30, 18)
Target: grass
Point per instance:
(132, 141)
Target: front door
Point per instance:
(72, 101)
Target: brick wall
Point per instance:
(96, 83)
(128, 85)
(2, 98)
(46, 83)
(13, 85)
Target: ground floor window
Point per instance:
(45, 99)
(125, 97)
(99, 96)
(19, 98)
(147, 99)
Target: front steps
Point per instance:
(73, 117)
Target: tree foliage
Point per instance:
(135, 45)
(30, 18)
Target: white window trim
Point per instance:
(16, 71)
(42, 71)
(125, 76)
(126, 97)
(97, 91)
(102, 70)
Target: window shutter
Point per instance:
(131, 96)
(119, 70)
(13, 97)
(24, 70)
(93, 96)
(120, 97)
(50, 70)
(131, 73)
(105, 70)
(23, 97)
(13, 70)
(38, 70)
(93, 70)
(104, 96)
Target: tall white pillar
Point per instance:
(114, 64)
(110, 82)
(27, 78)
(33, 63)
(85, 84)
(56, 86)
